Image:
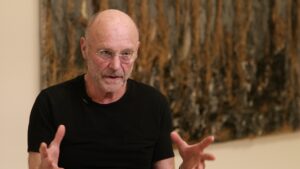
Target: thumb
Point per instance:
(43, 150)
(180, 143)
(60, 133)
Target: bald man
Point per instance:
(104, 119)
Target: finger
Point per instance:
(55, 166)
(43, 150)
(60, 133)
(180, 143)
(205, 142)
(209, 157)
(202, 165)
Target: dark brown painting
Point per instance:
(228, 67)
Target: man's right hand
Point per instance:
(50, 154)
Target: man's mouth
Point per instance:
(113, 77)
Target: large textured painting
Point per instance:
(230, 68)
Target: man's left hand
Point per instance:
(193, 156)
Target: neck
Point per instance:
(100, 95)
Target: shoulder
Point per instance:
(69, 84)
(144, 89)
(146, 92)
(67, 88)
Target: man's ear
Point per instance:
(83, 47)
(138, 45)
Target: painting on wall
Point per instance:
(228, 68)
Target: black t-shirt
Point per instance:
(133, 132)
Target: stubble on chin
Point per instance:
(113, 87)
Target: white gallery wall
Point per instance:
(19, 85)
(19, 78)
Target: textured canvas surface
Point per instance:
(228, 67)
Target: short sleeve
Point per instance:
(41, 127)
(163, 148)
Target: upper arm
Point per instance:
(163, 147)
(34, 160)
(164, 164)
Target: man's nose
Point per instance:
(115, 63)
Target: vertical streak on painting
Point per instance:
(196, 45)
(207, 50)
(131, 9)
(293, 89)
(242, 23)
(104, 4)
(163, 37)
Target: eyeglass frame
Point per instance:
(108, 55)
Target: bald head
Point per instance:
(111, 21)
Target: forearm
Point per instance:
(165, 164)
(34, 160)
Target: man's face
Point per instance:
(110, 55)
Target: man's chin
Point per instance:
(113, 86)
(114, 81)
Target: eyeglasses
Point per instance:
(125, 56)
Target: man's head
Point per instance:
(110, 48)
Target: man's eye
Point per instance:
(127, 54)
(105, 53)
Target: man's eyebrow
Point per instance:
(127, 50)
(105, 48)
